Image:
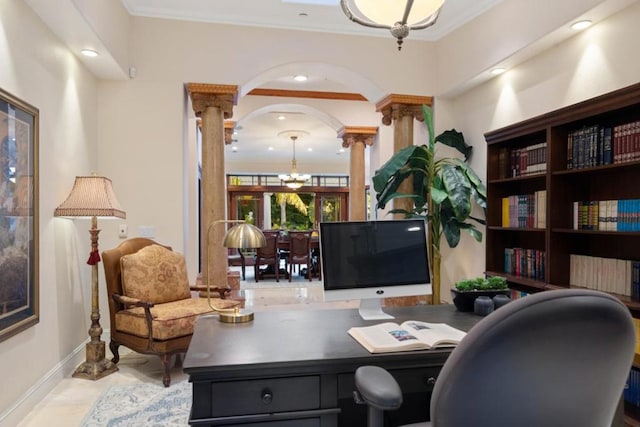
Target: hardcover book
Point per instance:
(410, 335)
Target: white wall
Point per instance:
(596, 61)
(36, 67)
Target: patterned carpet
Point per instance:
(149, 405)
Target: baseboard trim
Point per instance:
(34, 395)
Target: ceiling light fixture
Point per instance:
(498, 70)
(581, 25)
(89, 52)
(399, 17)
(300, 78)
(294, 180)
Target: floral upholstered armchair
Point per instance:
(151, 306)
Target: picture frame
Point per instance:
(19, 285)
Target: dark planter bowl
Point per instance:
(464, 300)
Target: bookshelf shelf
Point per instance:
(535, 177)
(523, 229)
(591, 155)
(597, 232)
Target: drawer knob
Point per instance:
(430, 380)
(267, 396)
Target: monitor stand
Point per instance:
(371, 309)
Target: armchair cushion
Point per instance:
(170, 320)
(155, 274)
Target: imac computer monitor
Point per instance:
(371, 260)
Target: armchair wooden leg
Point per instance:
(113, 346)
(166, 362)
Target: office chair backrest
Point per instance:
(555, 358)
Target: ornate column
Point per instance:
(213, 103)
(229, 126)
(357, 138)
(266, 223)
(401, 110)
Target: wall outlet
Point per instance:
(147, 231)
(122, 231)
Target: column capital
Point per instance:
(395, 106)
(229, 126)
(352, 134)
(204, 95)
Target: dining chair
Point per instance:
(299, 251)
(268, 254)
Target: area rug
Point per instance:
(149, 405)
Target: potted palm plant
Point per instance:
(443, 191)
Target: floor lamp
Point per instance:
(241, 236)
(93, 196)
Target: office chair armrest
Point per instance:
(377, 388)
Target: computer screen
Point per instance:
(371, 260)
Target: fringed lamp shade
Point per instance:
(91, 196)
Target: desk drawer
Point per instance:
(265, 396)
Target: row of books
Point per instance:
(601, 145)
(607, 215)
(525, 210)
(589, 146)
(529, 263)
(522, 161)
(631, 393)
(618, 276)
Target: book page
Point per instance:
(386, 337)
(434, 334)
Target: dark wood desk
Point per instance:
(296, 368)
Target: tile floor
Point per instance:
(68, 403)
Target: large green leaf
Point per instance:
(427, 113)
(391, 167)
(455, 139)
(458, 190)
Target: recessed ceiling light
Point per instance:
(498, 70)
(89, 52)
(300, 78)
(581, 25)
(309, 149)
(281, 117)
(270, 148)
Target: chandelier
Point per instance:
(397, 16)
(294, 180)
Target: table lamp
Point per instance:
(241, 236)
(93, 196)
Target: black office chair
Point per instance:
(553, 359)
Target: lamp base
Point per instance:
(96, 366)
(239, 315)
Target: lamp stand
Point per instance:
(96, 365)
(226, 315)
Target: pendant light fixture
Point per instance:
(294, 180)
(397, 16)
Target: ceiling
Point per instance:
(312, 15)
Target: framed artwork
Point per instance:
(19, 290)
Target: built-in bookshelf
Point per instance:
(590, 170)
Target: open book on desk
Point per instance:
(410, 335)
